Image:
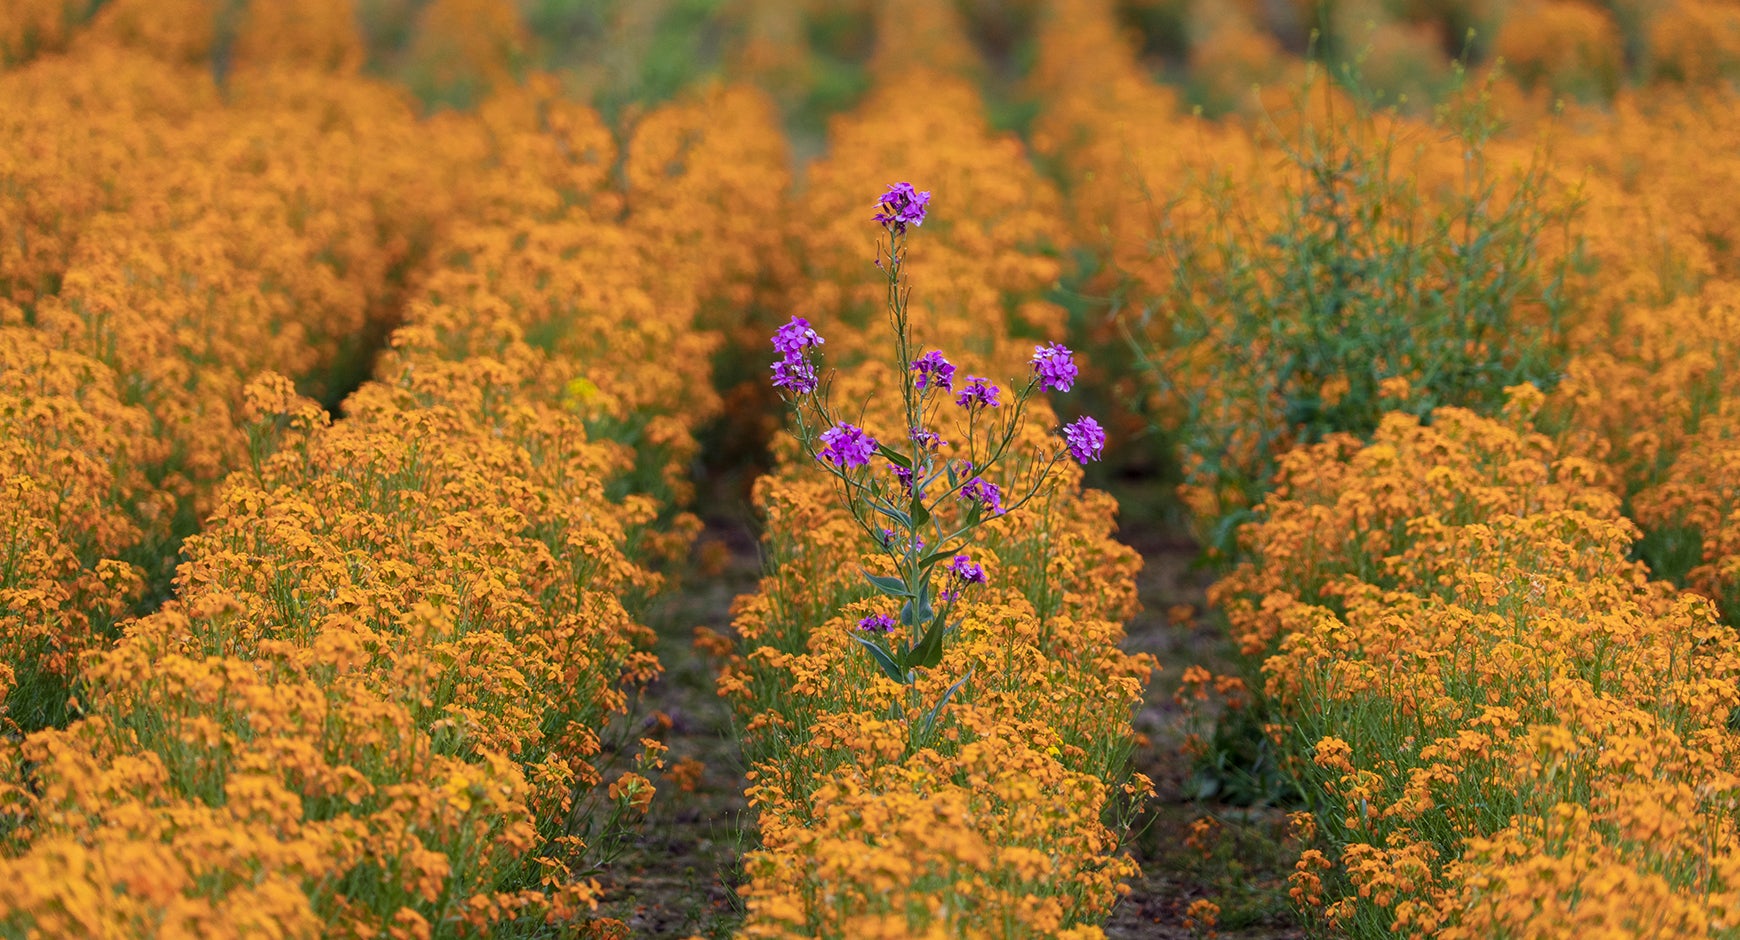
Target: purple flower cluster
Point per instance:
(979, 393)
(1054, 364)
(796, 373)
(967, 570)
(905, 477)
(795, 337)
(934, 371)
(901, 206)
(877, 623)
(846, 446)
(962, 571)
(795, 370)
(1086, 439)
(988, 495)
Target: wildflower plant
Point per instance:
(922, 498)
(1378, 275)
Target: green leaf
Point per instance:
(894, 456)
(933, 558)
(929, 650)
(889, 667)
(1225, 535)
(893, 587)
(912, 615)
(895, 514)
(920, 515)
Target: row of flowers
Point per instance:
(1632, 271)
(1650, 394)
(1509, 726)
(1512, 729)
(1657, 408)
(385, 695)
(935, 709)
(162, 243)
(1506, 726)
(1564, 49)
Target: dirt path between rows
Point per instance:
(1241, 865)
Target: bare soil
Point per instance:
(1243, 866)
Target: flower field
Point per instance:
(388, 387)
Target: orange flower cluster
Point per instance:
(1696, 41)
(162, 244)
(32, 27)
(1574, 48)
(379, 699)
(1512, 729)
(1430, 601)
(69, 471)
(565, 246)
(1116, 132)
(372, 702)
(1658, 406)
(1379, 569)
(1652, 394)
(1004, 822)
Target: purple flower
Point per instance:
(979, 393)
(967, 570)
(877, 623)
(795, 337)
(988, 495)
(796, 373)
(962, 572)
(901, 206)
(846, 446)
(1086, 439)
(934, 371)
(905, 477)
(1055, 366)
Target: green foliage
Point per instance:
(839, 42)
(1241, 765)
(1671, 551)
(1163, 25)
(1357, 290)
(677, 48)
